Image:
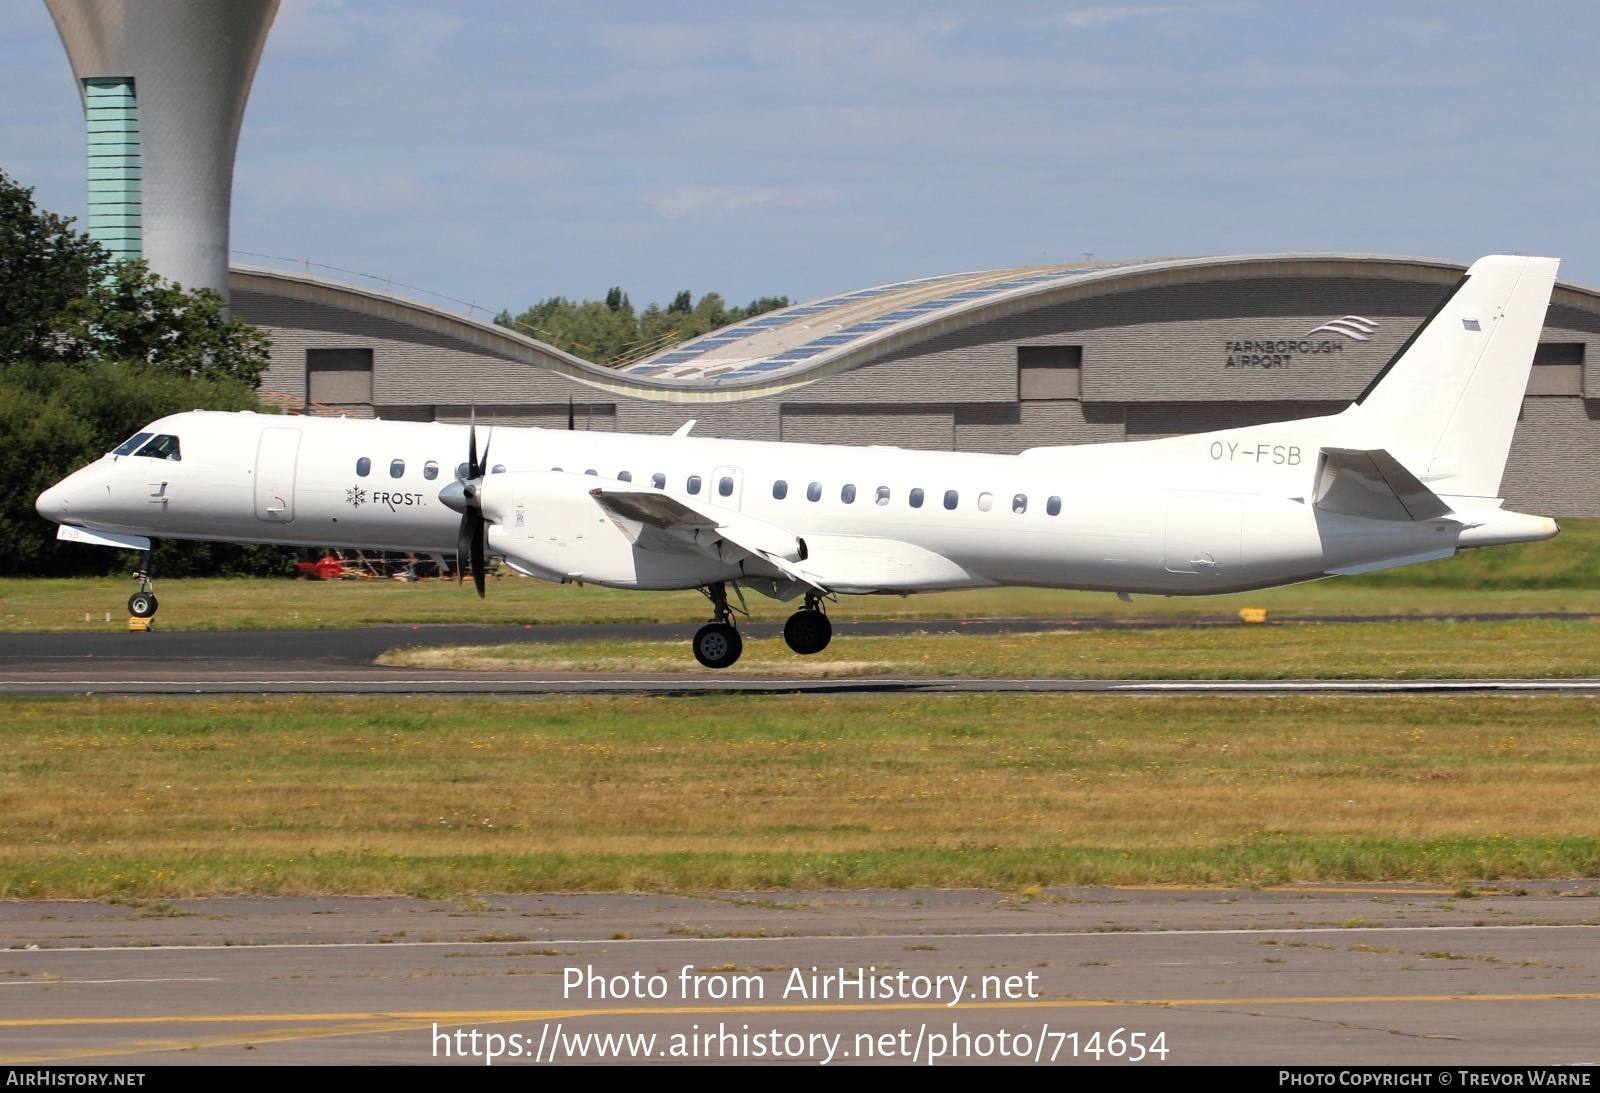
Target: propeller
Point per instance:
(466, 497)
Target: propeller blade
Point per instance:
(469, 519)
(572, 422)
(477, 556)
(472, 447)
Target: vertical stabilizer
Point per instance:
(1447, 403)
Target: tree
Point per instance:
(148, 323)
(89, 352)
(44, 267)
(609, 332)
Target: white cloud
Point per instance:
(678, 202)
(390, 190)
(1113, 13)
(511, 165)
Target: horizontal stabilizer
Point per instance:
(1373, 485)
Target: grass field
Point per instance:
(1435, 649)
(178, 797)
(1560, 576)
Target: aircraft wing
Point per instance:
(829, 564)
(1373, 484)
(655, 520)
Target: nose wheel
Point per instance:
(142, 604)
(808, 630)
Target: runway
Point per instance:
(1307, 974)
(341, 662)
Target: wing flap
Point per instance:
(1373, 485)
(647, 516)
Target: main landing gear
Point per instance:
(142, 604)
(808, 630)
(717, 644)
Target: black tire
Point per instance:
(142, 605)
(717, 645)
(808, 632)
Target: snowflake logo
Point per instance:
(356, 496)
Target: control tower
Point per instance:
(164, 85)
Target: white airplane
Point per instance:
(1408, 473)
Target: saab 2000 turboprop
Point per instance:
(1409, 472)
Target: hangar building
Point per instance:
(997, 361)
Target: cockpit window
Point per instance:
(129, 446)
(164, 446)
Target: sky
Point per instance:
(500, 152)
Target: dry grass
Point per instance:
(1422, 649)
(174, 797)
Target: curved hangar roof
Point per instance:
(783, 350)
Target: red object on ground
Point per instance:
(327, 568)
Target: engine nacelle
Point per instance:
(545, 523)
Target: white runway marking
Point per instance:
(1099, 934)
(92, 982)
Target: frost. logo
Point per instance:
(1353, 327)
(356, 496)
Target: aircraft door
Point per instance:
(276, 458)
(727, 487)
(1203, 535)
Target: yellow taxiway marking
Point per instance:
(355, 1024)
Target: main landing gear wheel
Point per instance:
(142, 605)
(717, 645)
(808, 631)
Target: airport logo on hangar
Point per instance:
(1280, 353)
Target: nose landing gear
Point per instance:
(717, 644)
(142, 604)
(808, 630)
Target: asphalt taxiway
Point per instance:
(342, 662)
(1306, 974)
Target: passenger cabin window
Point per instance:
(461, 471)
(397, 468)
(694, 484)
(724, 487)
(555, 470)
(364, 467)
(985, 502)
(592, 471)
(881, 495)
(164, 446)
(1053, 506)
(951, 499)
(915, 498)
(814, 492)
(659, 481)
(131, 445)
(847, 494)
(624, 476)
(498, 468)
(1019, 504)
(780, 490)
(430, 470)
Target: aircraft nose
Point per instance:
(55, 503)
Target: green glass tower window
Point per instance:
(114, 171)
